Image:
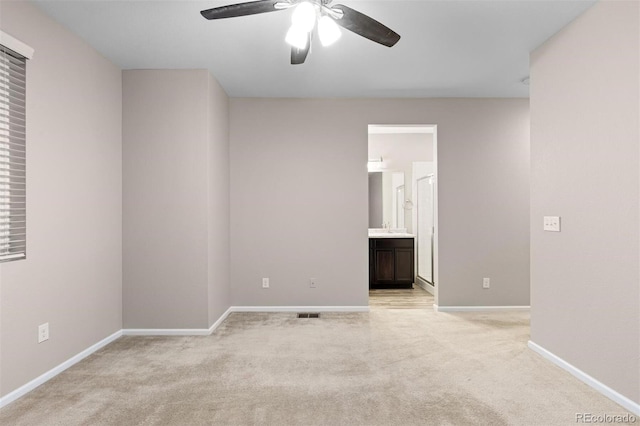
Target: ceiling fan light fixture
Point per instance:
(328, 31)
(297, 37)
(304, 16)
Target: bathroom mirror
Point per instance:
(387, 196)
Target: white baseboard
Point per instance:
(22, 390)
(219, 321)
(429, 288)
(176, 331)
(208, 331)
(165, 332)
(299, 309)
(605, 390)
(479, 308)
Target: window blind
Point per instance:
(13, 219)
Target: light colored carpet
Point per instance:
(386, 367)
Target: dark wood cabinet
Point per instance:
(391, 262)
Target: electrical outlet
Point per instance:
(486, 282)
(313, 282)
(43, 332)
(551, 223)
(265, 283)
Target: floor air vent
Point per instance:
(308, 315)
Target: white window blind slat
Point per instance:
(13, 227)
(11, 114)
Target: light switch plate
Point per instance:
(552, 223)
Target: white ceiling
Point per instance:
(477, 48)
(385, 129)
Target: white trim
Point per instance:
(207, 332)
(380, 129)
(165, 332)
(219, 321)
(429, 288)
(299, 309)
(176, 331)
(16, 45)
(22, 390)
(605, 390)
(479, 308)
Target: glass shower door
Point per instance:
(425, 228)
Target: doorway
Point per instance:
(403, 203)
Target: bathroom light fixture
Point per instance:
(375, 164)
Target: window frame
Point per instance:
(13, 128)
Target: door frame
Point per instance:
(433, 129)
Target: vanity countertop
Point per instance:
(390, 235)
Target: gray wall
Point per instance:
(375, 200)
(72, 277)
(219, 209)
(400, 150)
(174, 130)
(585, 168)
(299, 198)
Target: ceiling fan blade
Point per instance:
(298, 56)
(365, 26)
(241, 9)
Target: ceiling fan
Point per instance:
(308, 13)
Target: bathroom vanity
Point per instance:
(391, 260)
